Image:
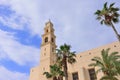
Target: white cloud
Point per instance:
(13, 50)
(26, 11)
(5, 74)
(14, 21)
(74, 21)
(30, 10)
(4, 2)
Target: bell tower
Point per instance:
(48, 46)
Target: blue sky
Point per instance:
(22, 23)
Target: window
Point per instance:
(92, 74)
(75, 76)
(46, 39)
(52, 49)
(52, 40)
(47, 30)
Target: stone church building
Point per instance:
(77, 71)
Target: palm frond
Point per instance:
(102, 21)
(108, 78)
(108, 14)
(99, 18)
(48, 75)
(92, 64)
(111, 5)
(72, 54)
(65, 55)
(109, 64)
(98, 12)
(99, 70)
(71, 60)
(115, 20)
(98, 62)
(105, 55)
(107, 23)
(114, 54)
(116, 14)
(114, 9)
(105, 6)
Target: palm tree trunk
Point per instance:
(66, 75)
(65, 68)
(55, 78)
(60, 78)
(118, 36)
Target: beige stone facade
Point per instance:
(80, 68)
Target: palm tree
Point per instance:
(55, 72)
(109, 64)
(108, 16)
(64, 55)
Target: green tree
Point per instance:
(108, 16)
(64, 56)
(55, 72)
(109, 64)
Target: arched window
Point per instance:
(46, 39)
(47, 30)
(52, 39)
